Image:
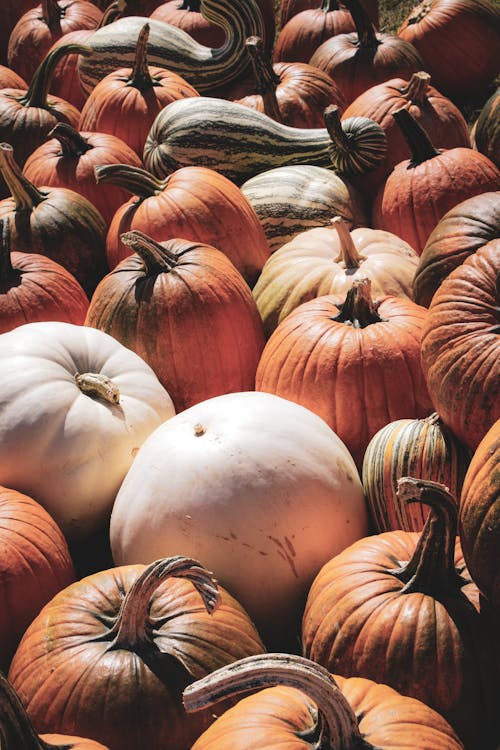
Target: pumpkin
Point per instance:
(328, 260)
(355, 362)
(290, 200)
(186, 15)
(487, 130)
(421, 448)
(12, 10)
(75, 405)
(55, 222)
(295, 94)
(193, 203)
(35, 288)
(479, 526)
(356, 61)
(400, 608)
(304, 32)
(462, 230)
(259, 488)
(35, 565)
(165, 300)
(461, 347)
(11, 80)
(301, 705)
(290, 8)
(68, 159)
(419, 191)
(125, 102)
(108, 656)
(458, 39)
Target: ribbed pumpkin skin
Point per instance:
(479, 518)
(166, 316)
(10, 80)
(196, 204)
(413, 199)
(290, 8)
(71, 681)
(35, 564)
(299, 39)
(49, 165)
(420, 448)
(461, 346)
(191, 21)
(356, 379)
(461, 232)
(291, 200)
(458, 40)
(66, 81)
(487, 131)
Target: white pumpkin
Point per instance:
(60, 442)
(257, 488)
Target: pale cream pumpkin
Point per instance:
(75, 406)
(257, 488)
(327, 260)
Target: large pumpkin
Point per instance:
(258, 488)
(75, 405)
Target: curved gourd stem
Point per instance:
(431, 569)
(51, 14)
(132, 627)
(348, 254)
(36, 96)
(112, 13)
(359, 310)
(417, 139)
(7, 272)
(134, 179)
(141, 77)
(266, 79)
(340, 725)
(367, 38)
(72, 142)
(333, 124)
(157, 259)
(26, 196)
(417, 87)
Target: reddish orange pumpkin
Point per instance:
(186, 15)
(35, 564)
(11, 80)
(165, 300)
(487, 129)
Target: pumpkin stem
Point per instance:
(141, 77)
(417, 139)
(367, 38)
(191, 5)
(36, 96)
(16, 729)
(359, 310)
(338, 723)
(348, 254)
(329, 5)
(97, 385)
(417, 88)
(265, 77)
(72, 142)
(157, 258)
(26, 196)
(133, 625)
(112, 13)
(431, 568)
(136, 180)
(51, 14)
(7, 272)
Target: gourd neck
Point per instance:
(417, 139)
(73, 144)
(25, 195)
(367, 38)
(417, 88)
(359, 310)
(348, 253)
(133, 626)
(36, 96)
(140, 77)
(267, 81)
(336, 727)
(156, 257)
(136, 180)
(431, 569)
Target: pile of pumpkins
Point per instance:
(249, 375)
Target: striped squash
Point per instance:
(240, 142)
(420, 448)
(290, 200)
(207, 69)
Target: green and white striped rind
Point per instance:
(240, 142)
(419, 448)
(206, 69)
(290, 200)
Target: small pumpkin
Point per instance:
(186, 15)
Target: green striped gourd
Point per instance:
(420, 448)
(290, 200)
(204, 68)
(240, 142)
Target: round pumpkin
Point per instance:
(76, 405)
(258, 488)
(487, 129)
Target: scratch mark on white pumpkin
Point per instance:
(286, 551)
